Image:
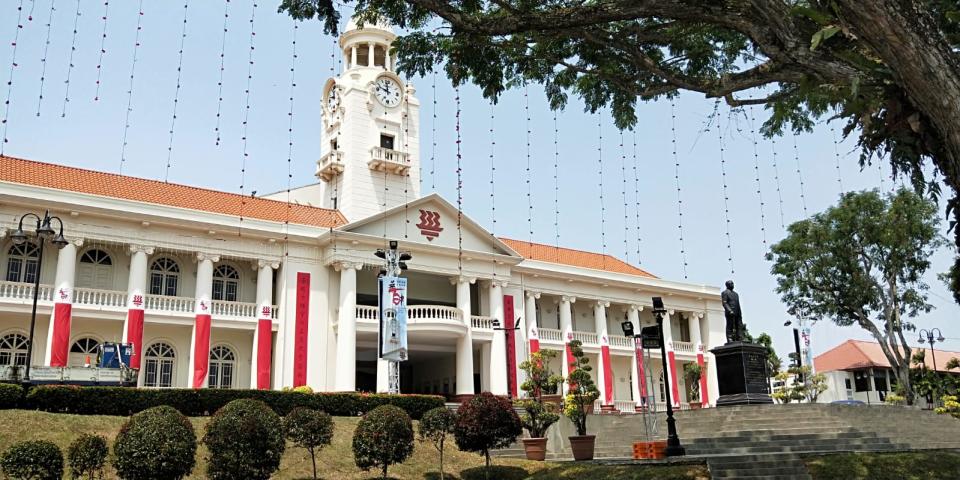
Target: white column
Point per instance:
(263, 333)
(136, 291)
(346, 373)
(353, 56)
(370, 49)
(58, 334)
(633, 315)
(200, 336)
(485, 367)
(600, 327)
(383, 376)
(530, 311)
(498, 347)
(566, 329)
(464, 343)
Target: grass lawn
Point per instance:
(933, 465)
(336, 461)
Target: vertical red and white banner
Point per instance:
(533, 336)
(568, 337)
(301, 329)
(201, 342)
(641, 374)
(264, 343)
(674, 380)
(607, 369)
(704, 393)
(134, 330)
(59, 340)
(509, 320)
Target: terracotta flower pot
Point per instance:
(582, 446)
(695, 405)
(536, 448)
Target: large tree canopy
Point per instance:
(862, 263)
(888, 69)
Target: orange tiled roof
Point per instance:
(575, 258)
(858, 354)
(59, 177)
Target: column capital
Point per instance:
(532, 294)
(76, 241)
(498, 284)
(671, 312)
(266, 263)
(568, 299)
(341, 266)
(134, 248)
(201, 256)
(635, 308)
(462, 279)
(602, 304)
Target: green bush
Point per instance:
(435, 426)
(486, 422)
(310, 429)
(11, 395)
(202, 402)
(87, 455)
(384, 436)
(32, 460)
(155, 444)
(245, 440)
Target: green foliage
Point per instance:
(486, 422)
(795, 390)
(11, 395)
(310, 429)
(87, 456)
(693, 372)
(200, 402)
(245, 440)
(384, 436)
(950, 406)
(540, 380)
(155, 444)
(581, 391)
(32, 460)
(895, 399)
(435, 426)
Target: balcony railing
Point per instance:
(683, 347)
(414, 313)
(478, 321)
(24, 291)
(621, 341)
(385, 159)
(551, 334)
(586, 338)
(330, 165)
(99, 298)
(367, 313)
(161, 303)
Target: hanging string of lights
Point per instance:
(133, 70)
(796, 157)
(623, 193)
(103, 50)
(723, 176)
(556, 185)
(603, 210)
(493, 188)
(459, 186)
(293, 87)
(246, 113)
(756, 171)
(406, 180)
(836, 153)
(636, 196)
(73, 50)
(676, 178)
(776, 180)
(46, 48)
(433, 136)
(176, 93)
(529, 170)
(223, 56)
(13, 67)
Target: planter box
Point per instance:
(655, 450)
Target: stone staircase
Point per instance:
(766, 441)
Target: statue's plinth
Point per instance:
(742, 374)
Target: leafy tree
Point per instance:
(310, 429)
(484, 423)
(32, 460)
(435, 426)
(581, 391)
(383, 436)
(155, 444)
(861, 263)
(799, 385)
(693, 371)
(540, 380)
(245, 439)
(888, 69)
(86, 456)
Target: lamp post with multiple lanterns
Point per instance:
(932, 340)
(43, 231)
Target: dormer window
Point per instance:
(386, 141)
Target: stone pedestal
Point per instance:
(742, 374)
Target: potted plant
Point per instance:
(693, 371)
(581, 393)
(540, 381)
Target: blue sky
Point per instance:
(91, 136)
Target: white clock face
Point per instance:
(387, 91)
(333, 99)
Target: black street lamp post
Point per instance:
(929, 334)
(43, 232)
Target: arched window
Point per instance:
(22, 263)
(226, 283)
(83, 348)
(222, 363)
(13, 349)
(164, 277)
(96, 270)
(158, 365)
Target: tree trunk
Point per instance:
(313, 460)
(385, 470)
(441, 461)
(486, 471)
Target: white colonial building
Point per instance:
(220, 290)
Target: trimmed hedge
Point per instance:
(245, 441)
(122, 401)
(11, 395)
(155, 444)
(32, 460)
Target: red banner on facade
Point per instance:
(264, 342)
(135, 335)
(674, 381)
(201, 350)
(704, 395)
(638, 348)
(301, 328)
(607, 375)
(60, 344)
(509, 322)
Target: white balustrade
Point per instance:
(220, 308)
(433, 312)
(621, 341)
(385, 159)
(683, 347)
(330, 165)
(24, 291)
(481, 322)
(587, 338)
(163, 303)
(550, 334)
(274, 312)
(625, 406)
(99, 298)
(367, 313)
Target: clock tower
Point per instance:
(370, 152)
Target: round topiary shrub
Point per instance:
(155, 444)
(32, 460)
(485, 423)
(86, 456)
(384, 436)
(11, 395)
(245, 439)
(310, 429)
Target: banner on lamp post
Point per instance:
(393, 318)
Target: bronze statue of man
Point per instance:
(732, 312)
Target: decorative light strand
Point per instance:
(433, 136)
(73, 49)
(46, 48)
(246, 113)
(133, 70)
(723, 176)
(103, 50)
(459, 187)
(223, 56)
(623, 193)
(556, 185)
(796, 157)
(603, 211)
(13, 67)
(776, 180)
(529, 170)
(406, 180)
(636, 196)
(756, 171)
(176, 93)
(676, 178)
(836, 154)
(293, 87)
(493, 187)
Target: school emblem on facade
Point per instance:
(429, 224)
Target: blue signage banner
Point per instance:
(393, 318)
